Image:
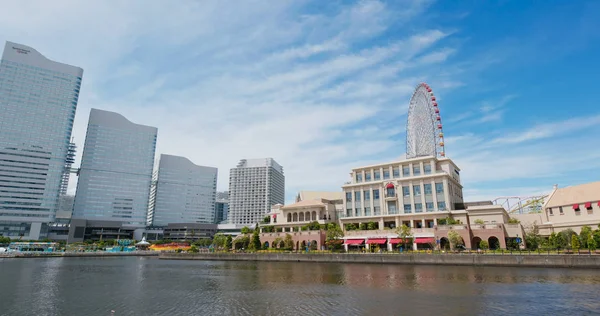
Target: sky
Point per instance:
(324, 86)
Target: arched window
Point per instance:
(301, 217)
(295, 217)
(289, 217)
(314, 216)
(307, 216)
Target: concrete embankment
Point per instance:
(77, 254)
(513, 260)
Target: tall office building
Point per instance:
(222, 207)
(38, 99)
(254, 186)
(116, 170)
(184, 193)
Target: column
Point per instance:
(423, 222)
(389, 245)
(381, 223)
(447, 195)
(434, 195)
(345, 247)
(397, 221)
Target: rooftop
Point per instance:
(589, 192)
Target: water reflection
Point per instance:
(148, 286)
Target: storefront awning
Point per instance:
(377, 241)
(354, 241)
(424, 240)
(398, 241)
(575, 206)
(588, 205)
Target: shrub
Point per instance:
(484, 245)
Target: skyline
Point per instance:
(325, 88)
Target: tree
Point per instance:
(552, 241)
(584, 236)
(560, 242)
(455, 239)
(255, 243)
(533, 238)
(404, 233)
(228, 242)
(246, 230)
(484, 245)
(362, 226)
(596, 235)
(574, 242)
(219, 241)
(479, 221)
(567, 235)
(276, 242)
(591, 243)
(333, 236)
(241, 241)
(288, 243)
(372, 226)
(194, 249)
(267, 219)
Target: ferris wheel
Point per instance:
(424, 134)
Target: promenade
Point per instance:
(456, 259)
(77, 254)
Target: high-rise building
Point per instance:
(184, 193)
(254, 186)
(222, 207)
(38, 99)
(116, 170)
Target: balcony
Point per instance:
(370, 233)
(391, 196)
(486, 226)
(452, 227)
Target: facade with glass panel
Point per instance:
(38, 99)
(116, 170)
(185, 192)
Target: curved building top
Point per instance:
(118, 121)
(23, 54)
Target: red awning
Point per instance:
(389, 186)
(575, 206)
(378, 241)
(424, 240)
(274, 215)
(588, 205)
(598, 203)
(354, 241)
(396, 241)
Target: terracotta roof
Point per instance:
(318, 195)
(305, 203)
(577, 194)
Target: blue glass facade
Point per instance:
(38, 99)
(185, 192)
(116, 170)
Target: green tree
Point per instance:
(219, 241)
(552, 241)
(267, 219)
(255, 243)
(362, 226)
(372, 226)
(567, 235)
(404, 233)
(276, 242)
(455, 239)
(228, 242)
(591, 243)
(596, 235)
(560, 242)
(194, 249)
(333, 236)
(533, 238)
(241, 241)
(584, 236)
(574, 242)
(288, 242)
(246, 230)
(484, 245)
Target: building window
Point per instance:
(377, 175)
(417, 190)
(367, 176)
(348, 196)
(416, 170)
(367, 195)
(392, 208)
(386, 174)
(427, 169)
(427, 188)
(376, 210)
(550, 211)
(560, 210)
(406, 191)
(390, 192)
(357, 196)
(407, 208)
(367, 211)
(442, 206)
(429, 207)
(396, 172)
(406, 171)
(357, 211)
(376, 194)
(439, 187)
(418, 208)
(359, 177)
(349, 212)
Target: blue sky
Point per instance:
(323, 86)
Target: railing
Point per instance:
(486, 226)
(375, 232)
(450, 227)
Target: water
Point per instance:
(149, 286)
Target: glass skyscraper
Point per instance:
(116, 170)
(184, 193)
(38, 99)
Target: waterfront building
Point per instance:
(116, 172)
(222, 207)
(189, 231)
(254, 186)
(38, 99)
(184, 193)
(567, 208)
